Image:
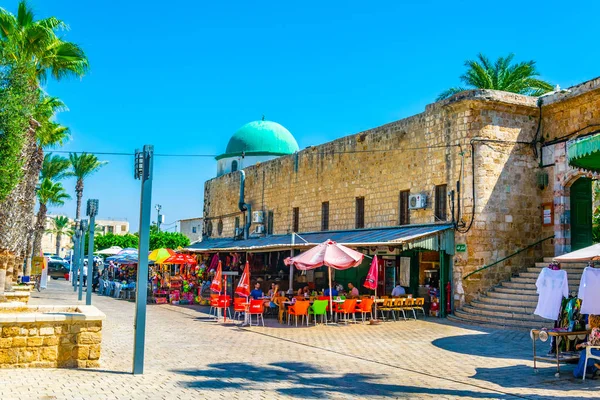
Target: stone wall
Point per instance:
(45, 341)
(485, 135)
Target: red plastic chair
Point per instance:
(348, 307)
(365, 307)
(214, 303)
(223, 303)
(257, 307)
(238, 308)
(300, 308)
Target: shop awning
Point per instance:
(584, 153)
(431, 237)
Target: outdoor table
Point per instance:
(247, 320)
(561, 357)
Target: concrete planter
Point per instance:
(50, 336)
(21, 296)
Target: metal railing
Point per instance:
(507, 257)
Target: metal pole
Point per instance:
(92, 211)
(83, 228)
(75, 257)
(291, 286)
(143, 171)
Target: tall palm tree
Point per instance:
(35, 48)
(49, 194)
(54, 167)
(61, 227)
(82, 166)
(503, 75)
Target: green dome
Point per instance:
(261, 138)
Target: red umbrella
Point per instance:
(181, 258)
(328, 253)
(216, 285)
(372, 278)
(243, 288)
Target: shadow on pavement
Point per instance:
(305, 381)
(495, 344)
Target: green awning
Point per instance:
(584, 153)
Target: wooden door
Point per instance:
(581, 214)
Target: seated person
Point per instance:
(353, 290)
(275, 290)
(272, 290)
(594, 340)
(256, 293)
(334, 292)
(300, 292)
(398, 291)
(306, 291)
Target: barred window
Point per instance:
(404, 213)
(325, 216)
(440, 203)
(296, 219)
(360, 212)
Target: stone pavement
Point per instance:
(189, 356)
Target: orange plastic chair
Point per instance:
(257, 307)
(365, 307)
(348, 307)
(300, 308)
(214, 303)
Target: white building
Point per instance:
(192, 228)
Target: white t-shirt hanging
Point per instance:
(589, 291)
(552, 286)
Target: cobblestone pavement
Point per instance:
(189, 356)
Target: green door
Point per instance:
(581, 214)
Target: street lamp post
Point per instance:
(83, 225)
(92, 211)
(158, 207)
(143, 171)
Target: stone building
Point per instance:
(478, 178)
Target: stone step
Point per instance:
(571, 272)
(501, 322)
(512, 296)
(520, 315)
(548, 260)
(566, 267)
(509, 302)
(511, 308)
(518, 291)
(534, 275)
(528, 280)
(519, 285)
(458, 318)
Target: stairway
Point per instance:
(511, 304)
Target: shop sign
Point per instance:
(461, 247)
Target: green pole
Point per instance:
(143, 171)
(92, 211)
(75, 257)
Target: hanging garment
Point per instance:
(552, 286)
(589, 291)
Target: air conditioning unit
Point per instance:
(260, 229)
(258, 217)
(416, 201)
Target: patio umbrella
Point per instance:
(179, 258)
(328, 253)
(372, 278)
(111, 251)
(590, 253)
(243, 288)
(159, 255)
(216, 285)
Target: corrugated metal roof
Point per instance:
(357, 237)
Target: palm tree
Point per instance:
(82, 166)
(34, 48)
(49, 194)
(54, 167)
(62, 226)
(502, 75)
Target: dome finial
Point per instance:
(263, 118)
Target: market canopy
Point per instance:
(110, 251)
(432, 237)
(586, 254)
(584, 153)
(160, 255)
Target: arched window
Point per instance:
(220, 227)
(234, 166)
(209, 228)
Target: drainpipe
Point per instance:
(245, 207)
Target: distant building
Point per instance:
(115, 226)
(192, 228)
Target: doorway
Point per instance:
(581, 214)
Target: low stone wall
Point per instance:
(49, 336)
(20, 296)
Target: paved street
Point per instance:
(188, 356)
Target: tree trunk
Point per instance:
(58, 240)
(8, 278)
(79, 195)
(3, 264)
(40, 228)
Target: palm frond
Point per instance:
(449, 93)
(24, 15)
(54, 167)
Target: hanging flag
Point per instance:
(216, 285)
(243, 288)
(371, 281)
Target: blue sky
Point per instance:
(184, 76)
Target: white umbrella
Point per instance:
(111, 251)
(586, 254)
